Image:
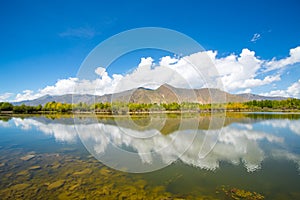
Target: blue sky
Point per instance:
(46, 41)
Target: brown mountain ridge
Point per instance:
(163, 94)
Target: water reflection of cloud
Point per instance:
(284, 154)
(293, 125)
(247, 126)
(235, 144)
(61, 132)
(4, 124)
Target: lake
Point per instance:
(155, 156)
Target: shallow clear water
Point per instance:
(241, 156)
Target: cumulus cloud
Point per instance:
(255, 37)
(63, 86)
(26, 95)
(5, 96)
(167, 60)
(294, 57)
(232, 73)
(100, 71)
(241, 71)
(292, 91)
(176, 72)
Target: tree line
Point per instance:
(120, 107)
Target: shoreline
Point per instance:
(112, 114)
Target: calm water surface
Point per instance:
(242, 156)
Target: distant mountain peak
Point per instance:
(164, 94)
(251, 97)
(167, 85)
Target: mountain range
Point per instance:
(164, 94)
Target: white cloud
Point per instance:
(294, 57)
(26, 95)
(145, 62)
(167, 60)
(292, 91)
(64, 86)
(248, 90)
(241, 71)
(5, 96)
(255, 37)
(232, 73)
(81, 32)
(100, 71)
(176, 72)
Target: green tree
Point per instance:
(5, 106)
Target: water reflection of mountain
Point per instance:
(171, 122)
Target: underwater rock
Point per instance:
(56, 184)
(35, 167)
(23, 173)
(27, 157)
(56, 166)
(20, 186)
(83, 172)
(67, 149)
(8, 175)
(73, 187)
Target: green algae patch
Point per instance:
(239, 194)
